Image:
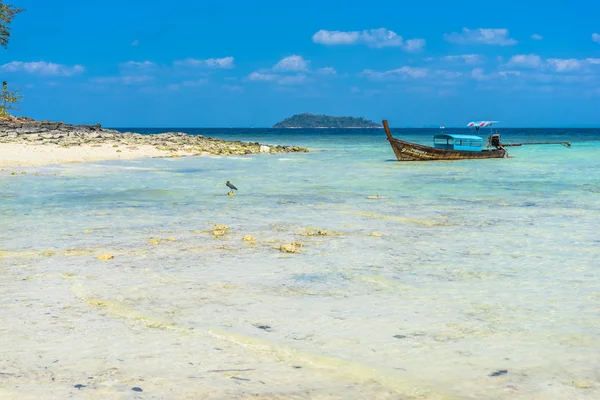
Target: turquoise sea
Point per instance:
(464, 280)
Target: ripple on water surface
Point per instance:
(449, 273)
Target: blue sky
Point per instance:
(199, 63)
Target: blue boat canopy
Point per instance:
(450, 141)
(453, 136)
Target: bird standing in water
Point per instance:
(232, 187)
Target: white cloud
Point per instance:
(413, 45)
(293, 80)
(529, 71)
(292, 70)
(506, 74)
(566, 65)
(536, 76)
(226, 62)
(188, 84)
(479, 74)
(448, 74)
(327, 71)
(292, 63)
(596, 37)
(131, 73)
(135, 42)
(554, 64)
(410, 71)
(135, 79)
(466, 58)
(566, 79)
(258, 76)
(536, 36)
(43, 68)
(376, 38)
(279, 79)
(125, 79)
(498, 37)
(403, 73)
(220, 63)
(525, 60)
(138, 66)
(336, 37)
(199, 82)
(381, 38)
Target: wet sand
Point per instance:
(27, 155)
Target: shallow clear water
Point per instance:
(481, 266)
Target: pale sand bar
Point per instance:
(27, 155)
(26, 142)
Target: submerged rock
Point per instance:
(78, 252)
(319, 232)
(220, 230)
(290, 248)
(580, 384)
(249, 238)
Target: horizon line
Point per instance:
(396, 127)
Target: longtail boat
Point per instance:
(455, 146)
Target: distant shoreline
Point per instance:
(321, 121)
(329, 127)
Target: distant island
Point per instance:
(324, 121)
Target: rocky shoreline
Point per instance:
(28, 131)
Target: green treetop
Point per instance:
(7, 97)
(7, 13)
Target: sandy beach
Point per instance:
(25, 142)
(29, 155)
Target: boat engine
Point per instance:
(494, 140)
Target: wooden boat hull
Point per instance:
(406, 151)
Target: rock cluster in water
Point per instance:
(27, 130)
